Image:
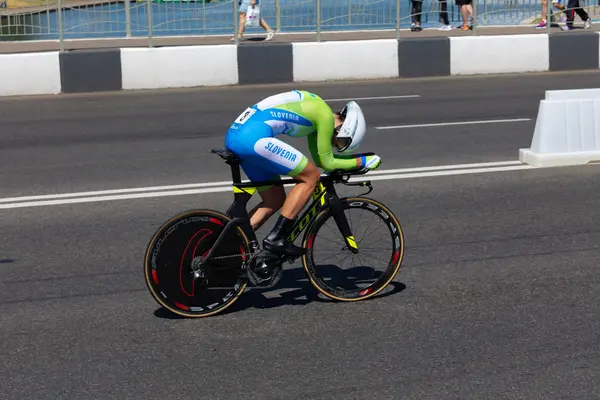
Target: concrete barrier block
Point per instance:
(353, 59)
(422, 57)
(498, 54)
(86, 71)
(572, 94)
(265, 63)
(29, 74)
(574, 51)
(567, 132)
(172, 67)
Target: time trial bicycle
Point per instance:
(199, 262)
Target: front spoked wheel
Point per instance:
(342, 275)
(176, 275)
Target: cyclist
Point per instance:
(297, 113)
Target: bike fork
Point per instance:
(342, 223)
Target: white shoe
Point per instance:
(445, 28)
(588, 24)
(270, 36)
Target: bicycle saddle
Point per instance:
(225, 154)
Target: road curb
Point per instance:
(89, 71)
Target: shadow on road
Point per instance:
(295, 289)
(6, 261)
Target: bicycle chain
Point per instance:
(236, 255)
(262, 255)
(252, 255)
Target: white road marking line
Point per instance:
(414, 174)
(115, 197)
(407, 96)
(447, 172)
(491, 121)
(228, 183)
(444, 167)
(114, 191)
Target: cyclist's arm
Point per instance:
(319, 144)
(312, 147)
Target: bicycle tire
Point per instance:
(161, 277)
(393, 268)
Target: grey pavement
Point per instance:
(497, 298)
(79, 44)
(112, 140)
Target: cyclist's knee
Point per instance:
(310, 175)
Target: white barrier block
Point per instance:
(499, 54)
(353, 59)
(30, 73)
(572, 94)
(567, 132)
(173, 67)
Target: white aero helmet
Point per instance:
(352, 131)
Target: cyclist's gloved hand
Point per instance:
(370, 161)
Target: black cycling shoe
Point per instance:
(276, 241)
(284, 248)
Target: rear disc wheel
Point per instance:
(176, 251)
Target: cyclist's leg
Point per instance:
(265, 157)
(300, 194)
(241, 142)
(272, 197)
(276, 155)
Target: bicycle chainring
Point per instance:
(265, 269)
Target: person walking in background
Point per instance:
(572, 8)
(465, 7)
(444, 16)
(557, 4)
(417, 6)
(243, 10)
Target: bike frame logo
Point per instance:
(308, 215)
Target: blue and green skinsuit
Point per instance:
(297, 113)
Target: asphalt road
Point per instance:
(498, 297)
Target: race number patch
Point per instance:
(245, 116)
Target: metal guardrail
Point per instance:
(77, 19)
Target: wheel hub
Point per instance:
(198, 268)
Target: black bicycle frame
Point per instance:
(324, 196)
